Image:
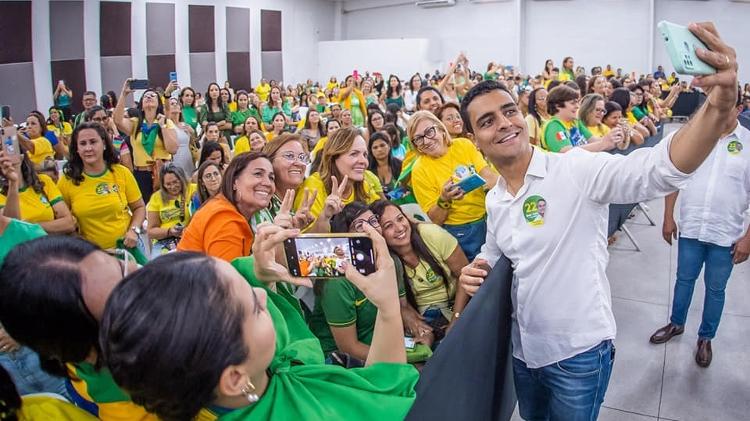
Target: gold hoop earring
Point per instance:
(248, 392)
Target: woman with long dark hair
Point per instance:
(410, 95)
(382, 162)
(394, 93)
(432, 262)
(168, 210)
(208, 177)
(189, 112)
(102, 194)
(215, 110)
(37, 198)
(152, 137)
(313, 129)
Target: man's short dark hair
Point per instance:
(558, 96)
(479, 89)
(89, 93)
(424, 89)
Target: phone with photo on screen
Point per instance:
(10, 143)
(681, 45)
(320, 256)
(138, 84)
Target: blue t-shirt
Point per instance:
(50, 135)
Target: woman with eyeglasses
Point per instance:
(341, 178)
(208, 177)
(54, 307)
(152, 136)
(591, 113)
(442, 162)
(102, 194)
(564, 130)
(432, 260)
(168, 210)
(343, 319)
(33, 197)
(638, 111)
(221, 227)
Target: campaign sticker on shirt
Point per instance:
(534, 209)
(734, 147)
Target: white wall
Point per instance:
(490, 34)
(526, 32)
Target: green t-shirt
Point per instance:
(342, 304)
(18, 232)
(490, 76)
(640, 112)
(558, 134)
(239, 117)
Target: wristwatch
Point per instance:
(443, 204)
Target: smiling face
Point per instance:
(354, 161)
(541, 99)
(612, 119)
(430, 101)
(288, 168)
(172, 184)
(595, 117)
(453, 122)
(600, 84)
(499, 128)
(395, 227)
(257, 142)
(430, 139)
(254, 185)
(54, 115)
(90, 147)
(569, 111)
(88, 101)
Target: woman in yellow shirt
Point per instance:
(341, 180)
(538, 114)
(441, 163)
(253, 141)
(33, 140)
(61, 128)
(102, 194)
(152, 137)
(168, 210)
(591, 113)
(35, 198)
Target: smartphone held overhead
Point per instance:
(137, 84)
(681, 45)
(322, 256)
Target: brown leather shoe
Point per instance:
(666, 333)
(703, 355)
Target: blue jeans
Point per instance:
(569, 390)
(470, 236)
(23, 367)
(691, 255)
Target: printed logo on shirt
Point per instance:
(534, 209)
(44, 200)
(358, 303)
(104, 188)
(576, 137)
(560, 135)
(734, 147)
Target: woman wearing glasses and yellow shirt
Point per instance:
(441, 163)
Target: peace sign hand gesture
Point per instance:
(334, 203)
(284, 216)
(303, 217)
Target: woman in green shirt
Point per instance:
(189, 112)
(249, 352)
(244, 110)
(216, 111)
(275, 105)
(564, 130)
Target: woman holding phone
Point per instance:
(168, 211)
(442, 162)
(226, 315)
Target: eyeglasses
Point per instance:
(359, 224)
(99, 119)
(429, 133)
(291, 157)
(212, 176)
(600, 110)
(150, 95)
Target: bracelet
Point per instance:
(442, 204)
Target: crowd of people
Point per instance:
(144, 274)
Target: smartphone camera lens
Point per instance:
(360, 257)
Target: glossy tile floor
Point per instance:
(663, 382)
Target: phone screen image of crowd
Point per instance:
(324, 257)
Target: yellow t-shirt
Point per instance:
(37, 207)
(430, 174)
(428, 286)
(318, 146)
(42, 150)
(232, 106)
(66, 130)
(44, 407)
(100, 204)
(140, 157)
(599, 131)
(535, 129)
(169, 213)
(315, 183)
(263, 91)
(631, 118)
(270, 136)
(241, 145)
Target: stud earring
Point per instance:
(248, 392)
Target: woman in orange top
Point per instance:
(221, 228)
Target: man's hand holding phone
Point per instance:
(472, 276)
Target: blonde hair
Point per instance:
(421, 116)
(338, 144)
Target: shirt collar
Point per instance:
(537, 168)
